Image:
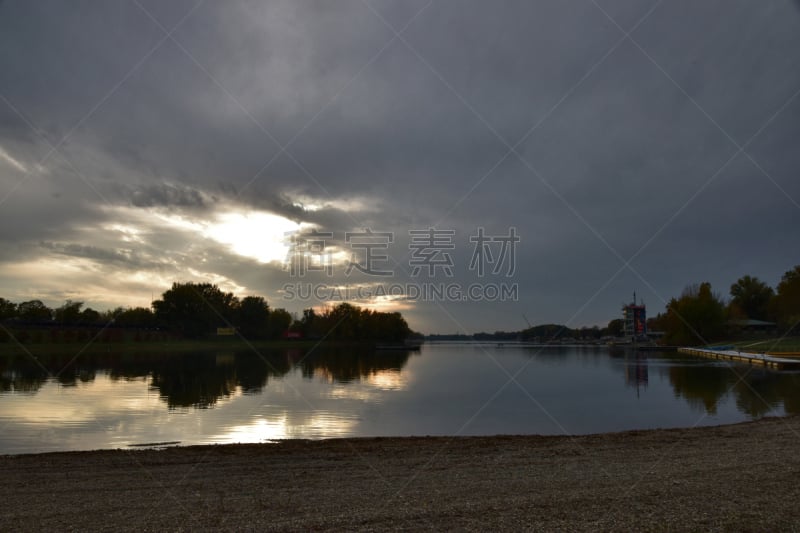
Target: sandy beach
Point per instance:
(739, 477)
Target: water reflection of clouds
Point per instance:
(348, 394)
(371, 387)
(54, 402)
(210, 397)
(322, 408)
(260, 430)
(104, 413)
(388, 380)
(317, 424)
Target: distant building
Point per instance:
(634, 319)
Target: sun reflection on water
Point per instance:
(320, 424)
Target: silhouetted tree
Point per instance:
(697, 317)
(195, 309)
(279, 322)
(387, 327)
(139, 317)
(341, 322)
(34, 311)
(616, 327)
(547, 332)
(90, 316)
(253, 317)
(69, 313)
(348, 322)
(751, 296)
(786, 304)
(589, 332)
(656, 323)
(8, 309)
(307, 324)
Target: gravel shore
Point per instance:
(739, 477)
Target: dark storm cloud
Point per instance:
(629, 146)
(158, 195)
(127, 259)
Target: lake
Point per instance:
(119, 401)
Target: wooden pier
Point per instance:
(764, 359)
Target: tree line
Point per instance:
(698, 316)
(701, 315)
(540, 333)
(196, 310)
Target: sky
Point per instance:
(516, 162)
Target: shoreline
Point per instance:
(323, 442)
(12, 349)
(739, 476)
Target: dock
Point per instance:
(773, 361)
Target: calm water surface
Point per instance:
(110, 401)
